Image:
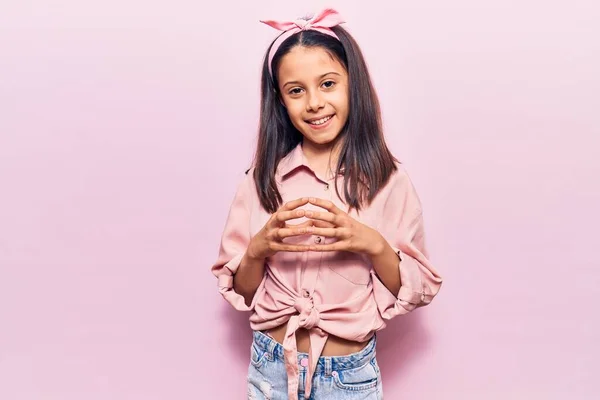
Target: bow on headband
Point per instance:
(321, 22)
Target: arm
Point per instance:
(403, 277)
(240, 267)
(239, 291)
(402, 228)
(385, 263)
(248, 277)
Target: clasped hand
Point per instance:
(333, 222)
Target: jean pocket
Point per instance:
(361, 378)
(258, 356)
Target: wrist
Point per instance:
(252, 254)
(378, 247)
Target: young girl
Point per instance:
(324, 238)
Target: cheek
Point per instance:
(340, 101)
(294, 111)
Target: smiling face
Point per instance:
(314, 90)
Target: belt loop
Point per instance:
(271, 348)
(327, 366)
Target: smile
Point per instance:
(320, 121)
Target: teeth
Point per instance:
(321, 121)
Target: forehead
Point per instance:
(305, 63)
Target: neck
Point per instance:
(322, 158)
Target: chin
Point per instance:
(321, 139)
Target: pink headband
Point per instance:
(321, 22)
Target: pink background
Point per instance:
(126, 125)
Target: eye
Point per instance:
(295, 91)
(329, 84)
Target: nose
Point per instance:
(314, 101)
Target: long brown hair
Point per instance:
(364, 158)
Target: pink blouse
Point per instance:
(327, 292)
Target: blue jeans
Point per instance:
(355, 376)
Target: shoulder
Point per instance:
(248, 177)
(399, 178)
(246, 187)
(400, 189)
(400, 172)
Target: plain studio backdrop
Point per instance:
(126, 125)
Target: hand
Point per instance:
(352, 235)
(269, 240)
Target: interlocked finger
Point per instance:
(336, 246)
(322, 224)
(339, 233)
(289, 247)
(283, 216)
(323, 216)
(288, 232)
(308, 223)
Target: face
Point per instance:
(314, 90)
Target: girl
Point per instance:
(324, 239)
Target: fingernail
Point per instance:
(300, 212)
(312, 199)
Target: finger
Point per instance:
(293, 204)
(283, 216)
(290, 247)
(336, 246)
(276, 219)
(327, 232)
(321, 224)
(287, 232)
(308, 223)
(323, 216)
(326, 204)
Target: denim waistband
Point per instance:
(325, 364)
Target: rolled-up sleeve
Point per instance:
(402, 226)
(234, 243)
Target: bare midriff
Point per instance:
(335, 345)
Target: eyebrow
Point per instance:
(320, 77)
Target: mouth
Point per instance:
(320, 122)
